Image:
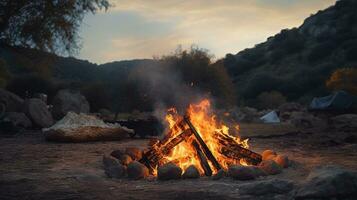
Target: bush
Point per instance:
(270, 100)
(98, 96)
(29, 84)
(260, 83)
(343, 79)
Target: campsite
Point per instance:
(116, 99)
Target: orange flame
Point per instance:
(208, 126)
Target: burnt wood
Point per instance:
(203, 145)
(234, 150)
(156, 153)
(203, 160)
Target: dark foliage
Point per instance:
(48, 25)
(297, 62)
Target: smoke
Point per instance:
(165, 86)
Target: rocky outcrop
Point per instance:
(18, 119)
(69, 100)
(12, 102)
(38, 112)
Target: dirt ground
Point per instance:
(32, 168)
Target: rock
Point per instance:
(83, 128)
(346, 122)
(69, 100)
(329, 182)
(282, 161)
(134, 153)
(268, 154)
(18, 119)
(137, 170)
(270, 167)
(290, 107)
(123, 158)
(169, 171)
(191, 172)
(266, 187)
(117, 154)
(219, 175)
(37, 111)
(306, 120)
(112, 167)
(241, 172)
(13, 103)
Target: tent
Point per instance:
(271, 117)
(338, 101)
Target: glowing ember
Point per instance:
(210, 129)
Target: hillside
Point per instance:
(296, 62)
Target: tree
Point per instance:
(48, 25)
(343, 79)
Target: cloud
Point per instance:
(141, 29)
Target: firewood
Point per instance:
(152, 158)
(203, 161)
(203, 145)
(234, 150)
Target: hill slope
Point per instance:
(298, 61)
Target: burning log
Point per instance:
(203, 145)
(152, 158)
(233, 150)
(224, 147)
(203, 161)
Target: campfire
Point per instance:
(199, 138)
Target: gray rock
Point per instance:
(240, 172)
(69, 100)
(38, 112)
(329, 182)
(169, 171)
(13, 103)
(267, 187)
(123, 158)
(18, 119)
(112, 167)
(219, 175)
(270, 167)
(134, 153)
(137, 170)
(191, 172)
(117, 153)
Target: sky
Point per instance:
(134, 29)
